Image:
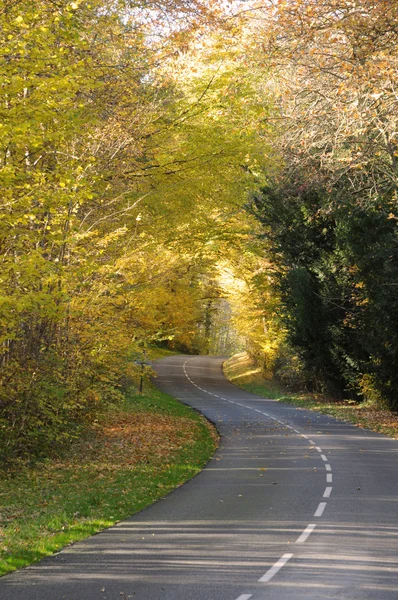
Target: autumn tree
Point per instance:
(120, 163)
(332, 212)
(79, 111)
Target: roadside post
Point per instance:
(142, 363)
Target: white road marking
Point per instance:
(320, 509)
(306, 533)
(244, 597)
(275, 568)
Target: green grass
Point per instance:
(155, 352)
(137, 454)
(242, 370)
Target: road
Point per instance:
(294, 505)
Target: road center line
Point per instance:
(275, 568)
(320, 509)
(306, 533)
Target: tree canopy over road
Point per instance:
(184, 171)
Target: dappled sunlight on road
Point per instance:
(231, 552)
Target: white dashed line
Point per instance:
(275, 568)
(320, 509)
(244, 597)
(306, 533)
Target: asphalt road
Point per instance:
(293, 505)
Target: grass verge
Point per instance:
(242, 370)
(136, 454)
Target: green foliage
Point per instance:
(301, 241)
(368, 242)
(336, 265)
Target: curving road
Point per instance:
(294, 505)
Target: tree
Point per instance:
(105, 144)
(77, 115)
(334, 66)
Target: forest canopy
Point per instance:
(164, 165)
